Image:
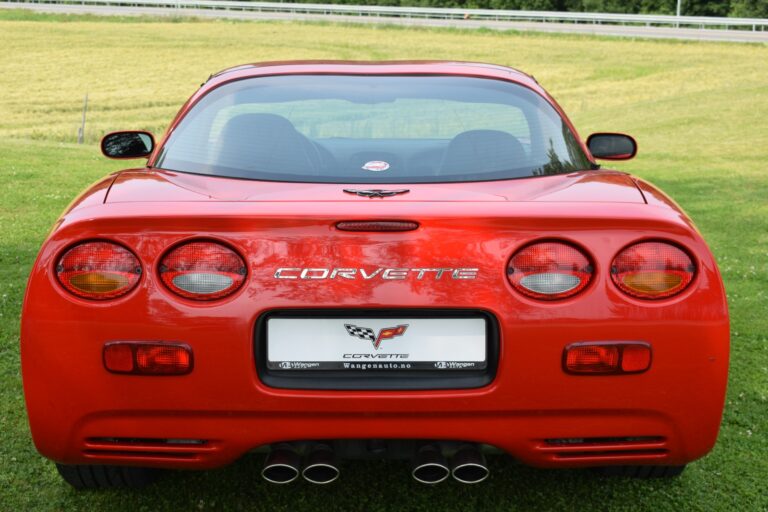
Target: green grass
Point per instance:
(697, 109)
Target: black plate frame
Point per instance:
(372, 379)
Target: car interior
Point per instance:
(269, 141)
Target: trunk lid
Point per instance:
(149, 185)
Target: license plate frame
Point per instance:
(362, 343)
(371, 377)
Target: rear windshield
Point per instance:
(372, 129)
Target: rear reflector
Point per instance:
(202, 270)
(376, 225)
(607, 358)
(98, 270)
(148, 358)
(652, 270)
(635, 358)
(549, 270)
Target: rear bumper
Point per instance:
(80, 413)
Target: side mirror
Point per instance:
(612, 146)
(127, 144)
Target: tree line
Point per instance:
(736, 8)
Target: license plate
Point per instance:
(360, 344)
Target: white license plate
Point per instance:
(376, 343)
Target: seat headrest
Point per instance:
(478, 151)
(264, 142)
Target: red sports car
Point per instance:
(334, 260)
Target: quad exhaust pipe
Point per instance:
(429, 465)
(467, 465)
(283, 465)
(321, 467)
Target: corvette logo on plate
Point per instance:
(376, 166)
(365, 333)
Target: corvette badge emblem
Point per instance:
(376, 166)
(365, 333)
(376, 192)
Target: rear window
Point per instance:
(372, 129)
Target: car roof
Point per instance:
(393, 67)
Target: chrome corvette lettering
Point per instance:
(314, 273)
(371, 276)
(368, 274)
(282, 273)
(465, 273)
(395, 273)
(346, 273)
(422, 271)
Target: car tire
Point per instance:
(84, 477)
(641, 472)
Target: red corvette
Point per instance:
(333, 260)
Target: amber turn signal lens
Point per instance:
(98, 270)
(598, 358)
(652, 270)
(650, 283)
(99, 282)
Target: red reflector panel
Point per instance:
(549, 271)
(652, 270)
(203, 271)
(607, 358)
(118, 357)
(635, 358)
(98, 270)
(148, 358)
(377, 225)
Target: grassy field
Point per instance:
(699, 112)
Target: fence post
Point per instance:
(81, 131)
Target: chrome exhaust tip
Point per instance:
(429, 465)
(281, 465)
(321, 467)
(468, 465)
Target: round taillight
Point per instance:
(202, 270)
(652, 270)
(98, 270)
(549, 270)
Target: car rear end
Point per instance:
(523, 401)
(560, 319)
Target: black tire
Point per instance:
(83, 477)
(642, 472)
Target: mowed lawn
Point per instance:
(698, 110)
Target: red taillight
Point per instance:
(607, 358)
(98, 270)
(148, 358)
(202, 270)
(652, 270)
(549, 270)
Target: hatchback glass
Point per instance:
(372, 129)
